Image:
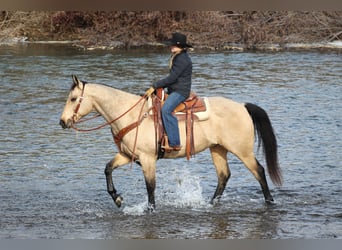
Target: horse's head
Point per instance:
(77, 104)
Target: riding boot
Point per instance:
(167, 148)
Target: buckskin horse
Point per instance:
(231, 127)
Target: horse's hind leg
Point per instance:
(263, 183)
(259, 172)
(219, 156)
(118, 160)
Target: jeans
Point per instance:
(169, 120)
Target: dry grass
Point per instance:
(204, 28)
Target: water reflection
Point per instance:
(260, 223)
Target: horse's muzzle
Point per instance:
(64, 125)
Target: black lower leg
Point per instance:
(150, 186)
(110, 186)
(222, 182)
(263, 183)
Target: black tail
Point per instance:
(267, 139)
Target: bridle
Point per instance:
(118, 137)
(144, 97)
(78, 104)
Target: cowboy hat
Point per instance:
(178, 40)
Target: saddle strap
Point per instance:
(190, 144)
(158, 125)
(118, 137)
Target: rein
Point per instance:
(102, 125)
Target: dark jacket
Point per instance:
(179, 78)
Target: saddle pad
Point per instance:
(200, 115)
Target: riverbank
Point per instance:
(322, 46)
(206, 30)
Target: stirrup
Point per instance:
(169, 149)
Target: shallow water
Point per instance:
(52, 182)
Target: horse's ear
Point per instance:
(75, 82)
(75, 79)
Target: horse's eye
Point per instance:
(73, 99)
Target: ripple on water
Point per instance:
(52, 182)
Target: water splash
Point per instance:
(187, 191)
(138, 209)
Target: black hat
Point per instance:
(178, 40)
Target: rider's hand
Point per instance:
(149, 92)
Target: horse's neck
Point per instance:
(112, 103)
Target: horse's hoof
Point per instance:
(215, 201)
(270, 202)
(151, 208)
(118, 201)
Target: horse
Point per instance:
(232, 127)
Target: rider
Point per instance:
(178, 84)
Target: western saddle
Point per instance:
(184, 111)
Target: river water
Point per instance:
(52, 182)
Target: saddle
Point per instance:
(185, 111)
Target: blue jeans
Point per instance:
(169, 120)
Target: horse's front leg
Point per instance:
(117, 161)
(148, 164)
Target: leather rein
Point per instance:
(118, 137)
